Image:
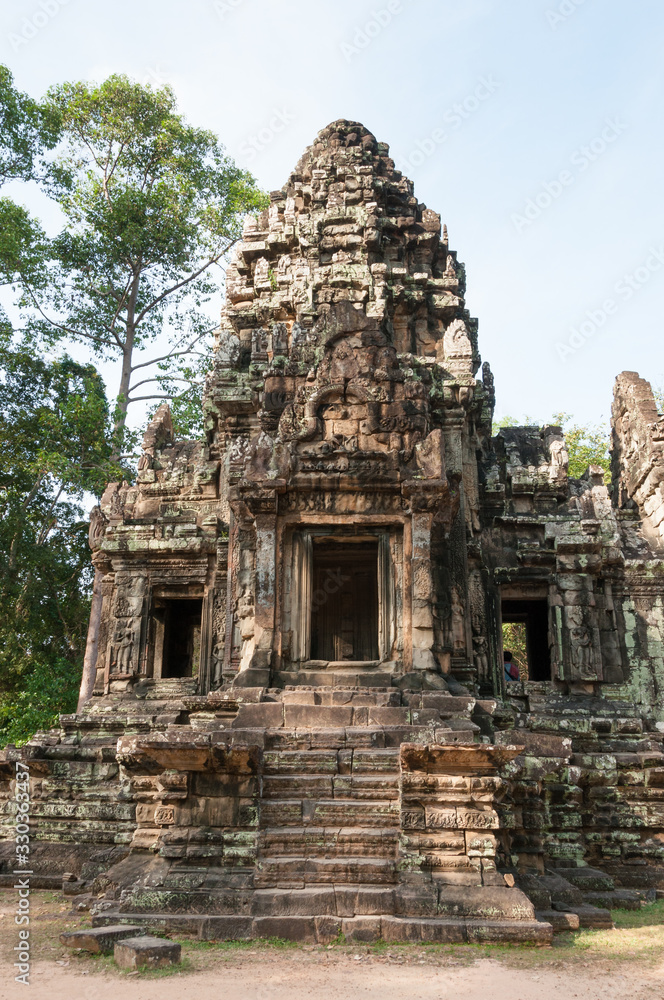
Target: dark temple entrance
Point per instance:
(344, 601)
(178, 636)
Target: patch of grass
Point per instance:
(378, 946)
(195, 945)
(649, 915)
(277, 942)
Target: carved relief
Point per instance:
(457, 622)
(457, 348)
(98, 524)
(122, 650)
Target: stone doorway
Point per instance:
(533, 615)
(344, 602)
(177, 645)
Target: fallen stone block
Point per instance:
(151, 952)
(592, 917)
(99, 940)
(616, 899)
(587, 879)
(559, 921)
(508, 931)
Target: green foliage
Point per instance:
(54, 429)
(48, 690)
(587, 444)
(23, 246)
(514, 639)
(26, 129)
(151, 204)
(185, 394)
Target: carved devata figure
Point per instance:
(122, 650)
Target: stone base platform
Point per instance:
(363, 929)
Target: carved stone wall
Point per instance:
(262, 791)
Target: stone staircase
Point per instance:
(312, 811)
(286, 816)
(329, 817)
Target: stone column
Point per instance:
(422, 593)
(266, 579)
(300, 606)
(386, 597)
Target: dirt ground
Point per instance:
(624, 964)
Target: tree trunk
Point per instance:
(91, 646)
(122, 403)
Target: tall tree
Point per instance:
(54, 451)
(27, 130)
(152, 204)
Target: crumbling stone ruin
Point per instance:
(300, 723)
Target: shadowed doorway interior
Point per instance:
(177, 637)
(344, 603)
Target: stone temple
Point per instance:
(298, 722)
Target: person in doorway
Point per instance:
(511, 669)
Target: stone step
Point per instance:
(329, 841)
(169, 689)
(372, 761)
(447, 705)
(561, 922)
(616, 899)
(99, 940)
(587, 879)
(592, 917)
(335, 678)
(325, 900)
(324, 929)
(288, 870)
(354, 786)
(146, 952)
(214, 899)
(277, 714)
(355, 737)
(329, 812)
(331, 761)
(331, 696)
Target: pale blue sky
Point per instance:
(533, 126)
